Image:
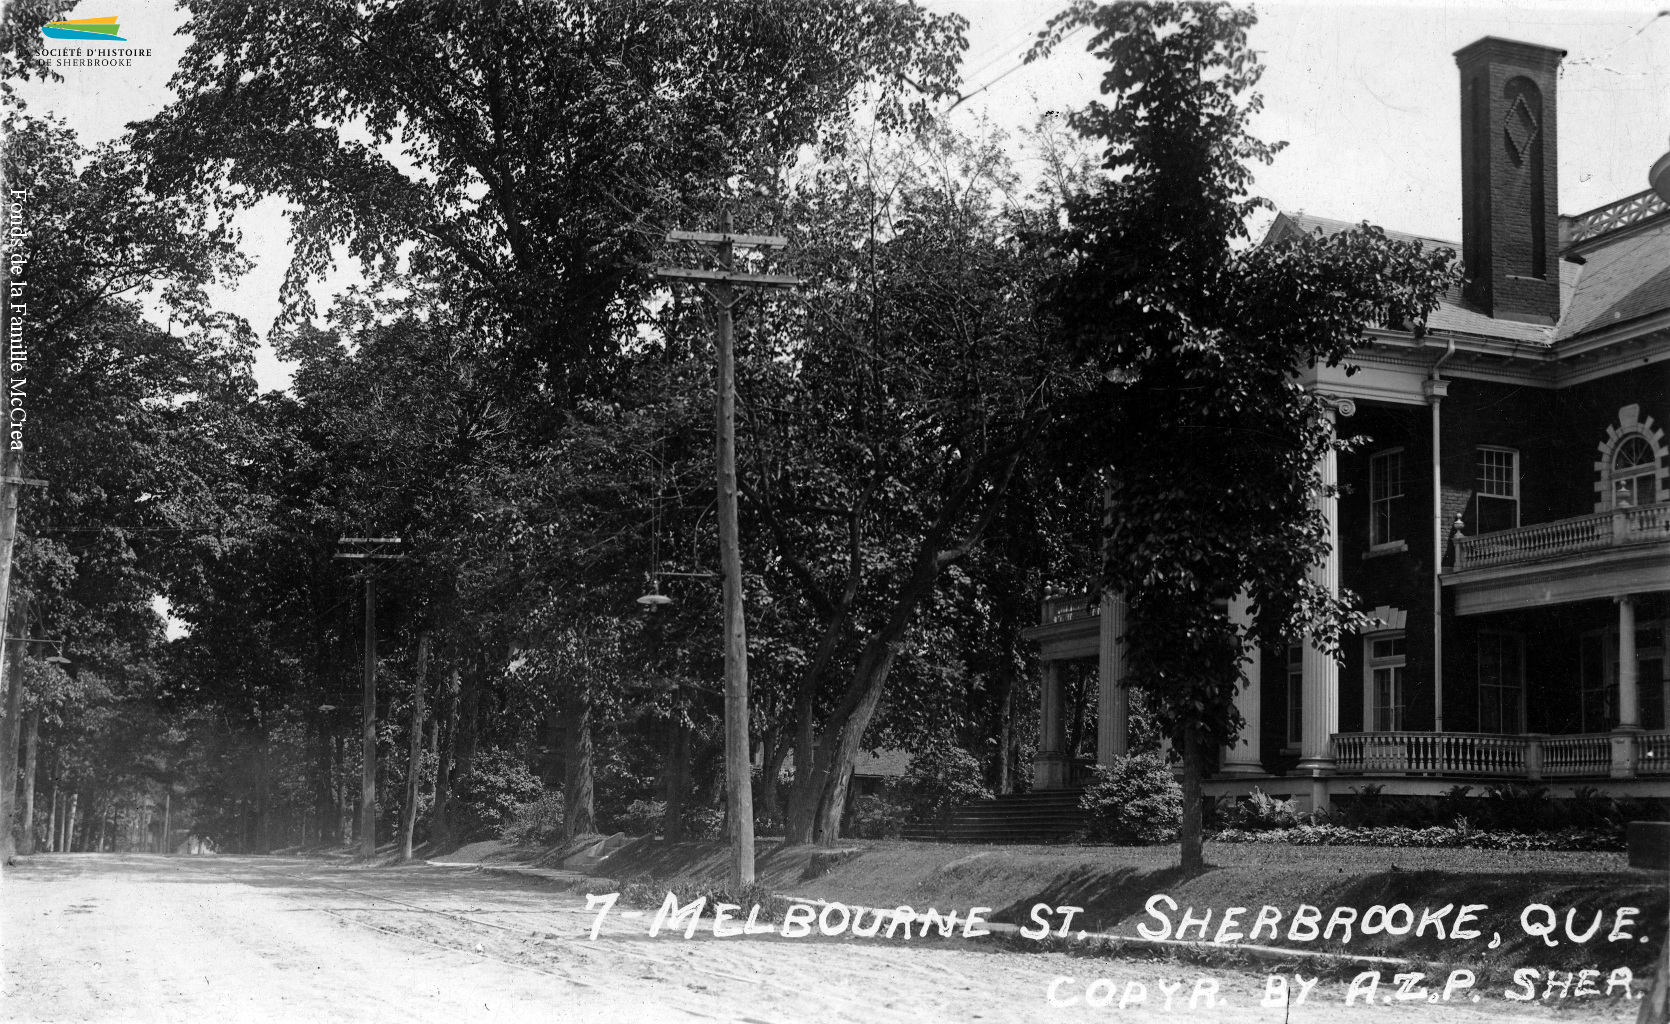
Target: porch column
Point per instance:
(1629, 697)
(1320, 671)
(1113, 703)
(1624, 750)
(1243, 757)
(1049, 766)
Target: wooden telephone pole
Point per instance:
(369, 548)
(722, 283)
(11, 667)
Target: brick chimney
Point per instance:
(1510, 221)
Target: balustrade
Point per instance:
(1619, 528)
(1069, 608)
(1653, 756)
(1576, 755)
(1530, 757)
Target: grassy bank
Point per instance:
(1112, 885)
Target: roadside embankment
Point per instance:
(1494, 898)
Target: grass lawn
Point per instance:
(1112, 885)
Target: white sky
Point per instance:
(1365, 95)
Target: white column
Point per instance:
(1435, 390)
(1629, 697)
(1320, 671)
(1243, 757)
(1113, 702)
(1625, 742)
(1049, 765)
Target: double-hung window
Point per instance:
(1501, 683)
(1386, 661)
(1498, 491)
(1385, 496)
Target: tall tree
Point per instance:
(124, 414)
(531, 153)
(885, 420)
(1208, 444)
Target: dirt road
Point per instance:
(146, 938)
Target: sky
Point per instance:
(1365, 95)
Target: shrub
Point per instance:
(1259, 813)
(703, 822)
(490, 792)
(538, 822)
(942, 777)
(876, 817)
(641, 818)
(649, 817)
(1460, 834)
(1134, 799)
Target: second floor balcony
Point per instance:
(1582, 558)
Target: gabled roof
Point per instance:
(1618, 280)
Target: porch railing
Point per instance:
(1447, 753)
(1068, 608)
(1620, 528)
(1531, 757)
(1564, 756)
(1653, 757)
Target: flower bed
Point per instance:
(1402, 836)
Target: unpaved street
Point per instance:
(145, 938)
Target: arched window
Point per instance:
(1631, 470)
(1634, 473)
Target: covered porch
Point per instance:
(1557, 633)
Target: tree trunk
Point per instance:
(776, 752)
(871, 676)
(577, 792)
(52, 823)
(263, 813)
(409, 824)
(469, 720)
(550, 749)
(69, 822)
(323, 802)
(31, 745)
(678, 779)
(800, 820)
(1006, 725)
(344, 800)
(440, 812)
(10, 732)
(1194, 758)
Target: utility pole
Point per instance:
(11, 674)
(739, 792)
(369, 548)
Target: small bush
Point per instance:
(703, 822)
(1134, 799)
(876, 817)
(491, 791)
(538, 822)
(641, 818)
(649, 817)
(1259, 813)
(941, 778)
